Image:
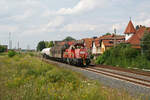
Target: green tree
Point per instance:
(41, 45)
(145, 44)
(108, 34)
(51, 44)
(69, 39)
(3, 48)
(46, 44)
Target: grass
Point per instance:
(25, 77)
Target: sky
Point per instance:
(31, 21)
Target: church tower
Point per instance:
(130, 30)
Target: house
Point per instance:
(88, 43)
(101, 44)
(130, 30)
(110, 41)
(135, 35)
(96, 46)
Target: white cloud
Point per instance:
(143, 19)
(20, 17)
(7, 28)
(78, 28)
(51, 26)
(83, 6)
(56, 22)
(145, 22)
(119, 26)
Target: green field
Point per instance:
(25, 77)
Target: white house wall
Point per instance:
(128, 36)
(94, 48)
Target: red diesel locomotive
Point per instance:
(71, 53)
(76, 54)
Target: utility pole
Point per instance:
(28, 47)
(10, 41)
(18, 45)
(142, 52)
(115, 31)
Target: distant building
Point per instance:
(134, 36)
(88, 43)
(130, 30)
(96, 46)
(101, 44)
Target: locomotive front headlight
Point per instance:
(82, 52)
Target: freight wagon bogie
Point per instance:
(77, 62)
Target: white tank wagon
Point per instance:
(46, 52)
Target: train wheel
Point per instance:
(68, 61)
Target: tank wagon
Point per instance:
(46, 52)
(70, 53)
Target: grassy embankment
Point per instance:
(24, 77)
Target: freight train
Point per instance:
(74, 54)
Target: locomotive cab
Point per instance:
(77, 54)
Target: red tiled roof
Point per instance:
(109, 39)
(88, 42)
(108, 43)
(112, 37)
(97, 42)
(64, 42)
(135, 39)
(130, 28)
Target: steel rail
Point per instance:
(121, 74)
(132, 80)
(144, 73)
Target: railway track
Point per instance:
(128, 78)
(134, 71)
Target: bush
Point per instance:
(124, 56)
(3, 48)
(31, 54)
(11, 53)
(145, 44)
(91, 56)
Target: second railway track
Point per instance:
(131, 79)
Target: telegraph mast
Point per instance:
(18, 45)
(10, 41)
(115, 31)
